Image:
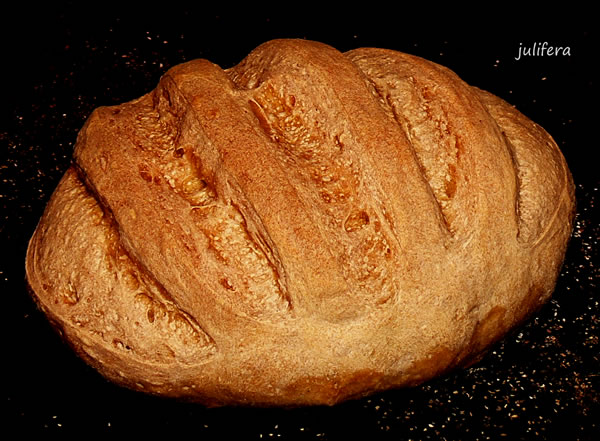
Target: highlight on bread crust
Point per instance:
(306, 227)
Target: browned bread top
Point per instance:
(303, 228)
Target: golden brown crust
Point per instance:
(304, 228)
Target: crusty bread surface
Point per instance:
(306, 227)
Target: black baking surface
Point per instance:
(60, 63)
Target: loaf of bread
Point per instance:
(304, 228)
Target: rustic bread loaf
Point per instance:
(303, 228)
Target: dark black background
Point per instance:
(60, 62)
